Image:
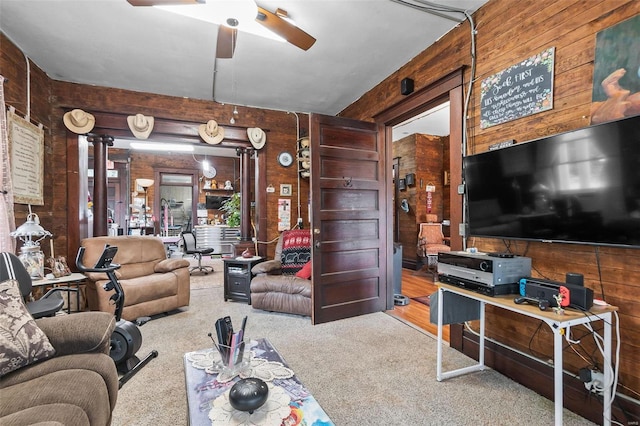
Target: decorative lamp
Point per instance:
(145, 184)
(31, 233)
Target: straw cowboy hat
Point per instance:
(78, 121)
(140, 125)
(211, 133)
(257, 137)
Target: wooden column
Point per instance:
(245, 201)
(100, 144)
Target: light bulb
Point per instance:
(232, 121)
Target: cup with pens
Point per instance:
(234, 349)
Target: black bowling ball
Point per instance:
(248, 394)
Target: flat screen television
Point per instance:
(214, 202)
(581, 186)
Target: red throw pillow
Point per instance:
(305, 272)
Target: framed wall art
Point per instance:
(285, 190)
(26, 148)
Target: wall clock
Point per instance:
(209, 172)
(285, 159)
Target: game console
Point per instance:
(578, 297)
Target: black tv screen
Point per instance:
(214, 202)
(581, 186)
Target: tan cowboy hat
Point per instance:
(306, 164)
(78, 121)
(257, 137)
(211, 133)
(304, 142)
(140, 125)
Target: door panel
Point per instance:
(349, 218)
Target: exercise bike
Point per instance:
(126, 338)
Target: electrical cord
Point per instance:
(442, 10)
(598, 339)
(599, 271)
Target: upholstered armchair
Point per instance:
(431, 241)
(283, 284)
(55, 370)
(152, 283)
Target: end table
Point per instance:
(237, 278)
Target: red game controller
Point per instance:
(566, 298)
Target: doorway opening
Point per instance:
(421, 169)
(446, 91)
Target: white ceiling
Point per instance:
(111, 43)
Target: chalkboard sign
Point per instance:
(520, 90)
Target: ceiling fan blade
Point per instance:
(163, 2)
(226, 42)
(284, 29)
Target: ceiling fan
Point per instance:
(231, 17)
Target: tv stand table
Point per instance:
(557, 324)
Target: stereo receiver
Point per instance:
(491, 274)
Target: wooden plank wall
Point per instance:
(509, 32)
(51, 99)
(13, 66)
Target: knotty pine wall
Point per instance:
(509, 32)
(51, 99)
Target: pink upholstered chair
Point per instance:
(431, 241)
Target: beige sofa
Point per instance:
(77, 386)
(152, 283)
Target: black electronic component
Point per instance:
(580, 297)
(518, 192)
(406, 86)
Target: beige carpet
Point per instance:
(369, 370)
(201, 280)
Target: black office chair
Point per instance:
(190, 247)
(11, 268)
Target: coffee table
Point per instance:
(290, 402)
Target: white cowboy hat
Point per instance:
(78, 121)
(211, 133)
(140, 125)
(304, 153)
(257, 137)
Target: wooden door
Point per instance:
(351, 231)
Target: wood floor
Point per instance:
(417, 284)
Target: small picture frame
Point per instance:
(138, 202)
(285, 189)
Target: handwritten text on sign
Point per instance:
(26, 147)
(520, 90)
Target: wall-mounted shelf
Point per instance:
(219, 191)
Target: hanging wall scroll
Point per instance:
(26, 148)
(518, 91)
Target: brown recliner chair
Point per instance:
(281, 284)
(77, 386)
(152, 283)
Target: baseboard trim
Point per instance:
(538, 377)
(409, 264)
